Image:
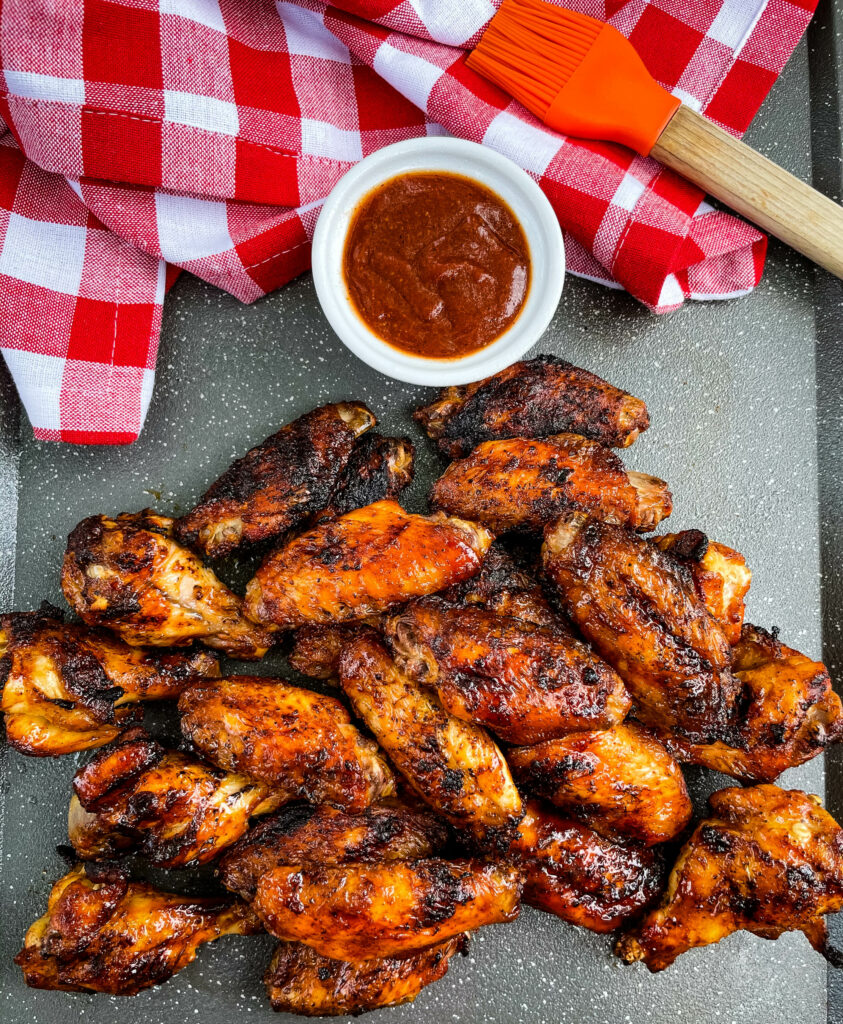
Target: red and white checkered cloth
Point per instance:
(150, 135)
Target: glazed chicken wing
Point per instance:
(69, 688)
(522, 484)
(364, 911)
(580, 876)
(525, 682)
(300, 980)
(134, 795)
(316, 650)
(129, 574)
(277, 484)
(768, 861)
(103, 933)
(452, 765)
(619, 781)
(639, 609)
(302, 744)
(362, 564)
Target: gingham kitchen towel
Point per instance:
(150, 135)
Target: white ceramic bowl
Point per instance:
(502, 176)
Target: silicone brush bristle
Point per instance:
(532, 48)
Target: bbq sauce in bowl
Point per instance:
(436, 264)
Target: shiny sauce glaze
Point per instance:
(436, 264)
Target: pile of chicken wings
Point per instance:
(517, 678)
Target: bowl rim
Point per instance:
(489, 168)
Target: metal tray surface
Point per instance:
(732, 391)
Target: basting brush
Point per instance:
(583, 78)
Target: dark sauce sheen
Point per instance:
(436, 264)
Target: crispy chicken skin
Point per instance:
(768, 861)
(619, 781)
(789, 713)
(103, 933)
(128, 573)
(526, 683)
(134, 795)
(522, 484)
(452, 765)
(302, 744)
(364, 911)
(639, 609)
(301, 834)
(378, 468)
(300, 980)
(362, 564)
(316, 650)
(68, 688)
(580, 876)
(277, 484)
(533, 398)
(720, 574)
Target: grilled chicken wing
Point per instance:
(522, 484)
(301, 834)
(788, 715)
(316, 650)
(452, 765)
(768, 861)
(639, 609)
(580, 876)
(362, 564)
(300, 980)
(129, 574)
(69, 688)
(365, 911)
(525, 682)
(619, 781)
(533, 398)
(277, 484)
(720, 574)
(302, 744)
(103, 933)
(172, 809)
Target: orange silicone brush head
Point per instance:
(577, 74)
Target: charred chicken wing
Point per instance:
(522, 484)
(316, 650)
(378, 468)
(362, 564)
(768, 861)
(278, 484)
(103, 933)
(69, 688)
(525, 682)
(302, 744)
(619, 781)
(128, 573)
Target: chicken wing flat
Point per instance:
(452, 765)
(68, 688)
(128, 573)
(619, 781)
(789, 713)
(103, 933)
(720, 574)
(302, 744)
(134, 795)
(768, 861)
(277, 484)
(300, 980)
(532, 398)
(301, 834)
(522, 484)
(639, 609)
(580, 876)
(316, 650)
(362, 564)
(526, 683)
(365, 911)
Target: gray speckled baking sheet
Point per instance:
(732, 390)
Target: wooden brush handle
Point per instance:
(754, 186)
